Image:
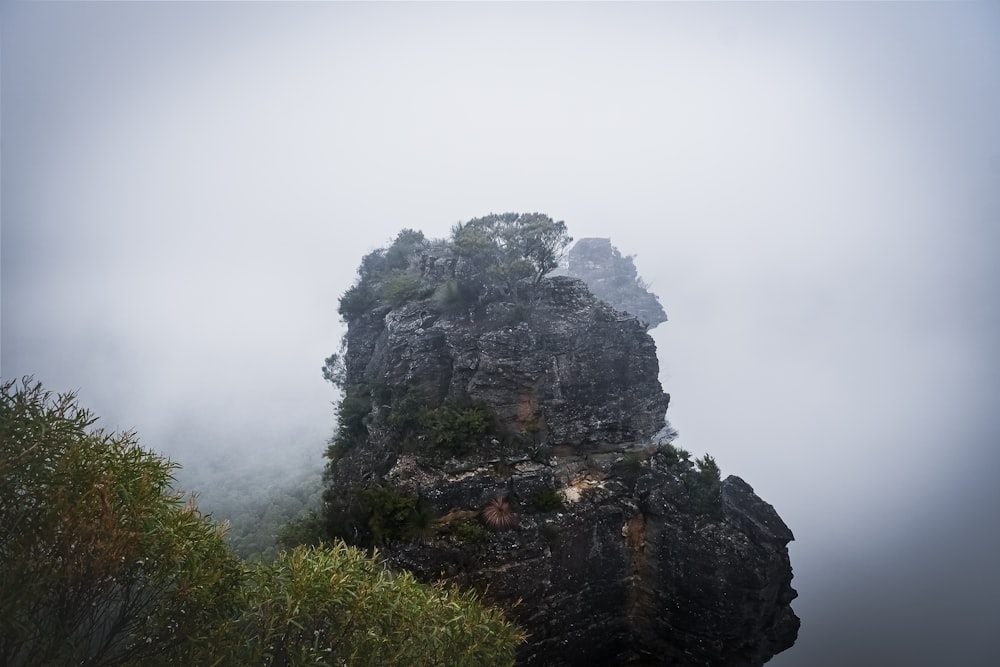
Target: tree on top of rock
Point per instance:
(512, 246)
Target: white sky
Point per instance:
(812, 189)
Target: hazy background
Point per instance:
(813, 191)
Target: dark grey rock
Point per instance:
(626, 569)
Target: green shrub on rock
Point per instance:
(336, 605)
(455, 430)
(452, 296)
(547, 500)
(401, 288)
(357, 300)
(353, 409)
(396, 515)
(705, 488)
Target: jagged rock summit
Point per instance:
(506, 431)
(613, 277)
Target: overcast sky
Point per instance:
(813, 190)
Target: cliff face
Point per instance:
(515, 442)
(623, 571)
(552, 361)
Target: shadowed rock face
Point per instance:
(605, 548)
(623, 573)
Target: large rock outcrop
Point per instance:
(514, 440)
(553, 360)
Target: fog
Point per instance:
(813, 191)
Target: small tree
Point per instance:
(542, 241)
(383, 275)
(100, 563)
(705, 488)
(515, 246)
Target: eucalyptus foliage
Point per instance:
(513, 246)
(336, 605)
(100, 563)
(498, 250)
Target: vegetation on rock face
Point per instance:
(354, 407)
(469, 532)
(672, 454)
(630, 467)
(102, 564)
(385, 275)
(497, 249)
(358, 299)
(455, 430)
(371, 515)
(702, 479)
(499, 514)
(452, 296)
(547, 500)
(705, 488)
(396, 515)
(450, 429)
(511, 247)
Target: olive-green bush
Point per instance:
(705, 488)
(457, 430)
(335, 605)
(102, 564)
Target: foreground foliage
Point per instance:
(101, 564)
(337, 605)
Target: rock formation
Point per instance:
(613, 277)
(513, 439)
